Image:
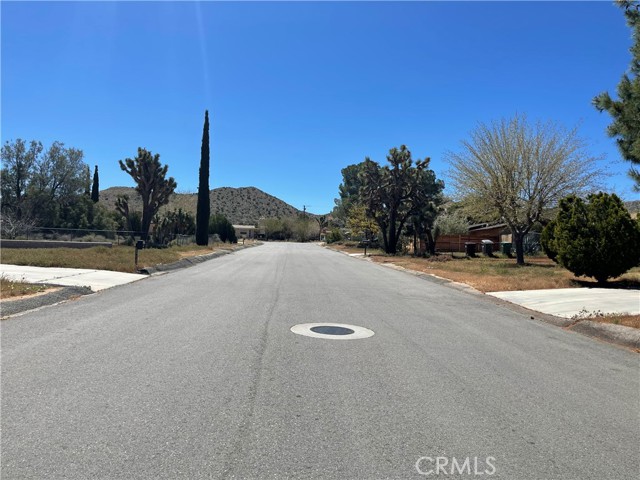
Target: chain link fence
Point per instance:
(117, 237)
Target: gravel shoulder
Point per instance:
(11, 307)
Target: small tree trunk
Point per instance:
(391, 246)
(518, 239)
(432, 243)
(392, 243)
(385, 239)
(422, 245)
(146, 224)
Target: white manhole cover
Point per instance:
(332, 331)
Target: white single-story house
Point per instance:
(245, 231)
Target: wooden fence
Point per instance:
(455, 243)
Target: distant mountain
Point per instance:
(241, 206)
(633, 206)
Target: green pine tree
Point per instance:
(626, 110)
(596, 239)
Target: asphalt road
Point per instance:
(196, 374)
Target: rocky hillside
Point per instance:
(243, 206)
(633, 207)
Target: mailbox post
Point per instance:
(366, 244)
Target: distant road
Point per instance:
(196, 374)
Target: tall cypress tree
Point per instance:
(95, 188)
(204, 207)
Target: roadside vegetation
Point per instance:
(623, 319)
(12, 289)
(625, 127)
(597, 238)
(632, 321)
(495, 274)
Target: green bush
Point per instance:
(596, 239)
(218, 224)
(334, 235)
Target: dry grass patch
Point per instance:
(354, 249)
(624, 319)
(119, 258)
(12, 289)
(501, 274)
(194, 251)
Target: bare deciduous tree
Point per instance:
(513, 171)
(12, 226)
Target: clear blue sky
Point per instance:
(296, 91)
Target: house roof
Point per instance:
(486, 226)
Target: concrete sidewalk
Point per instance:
(75, 277)
(567, 302)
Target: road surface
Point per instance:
(196, 374)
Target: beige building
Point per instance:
(245, 231)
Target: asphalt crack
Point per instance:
(244, 429)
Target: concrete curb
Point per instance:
(616, 334)
(190, 261)
(184, 263)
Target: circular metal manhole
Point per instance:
(332, 331)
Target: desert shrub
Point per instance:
(303, 228)
(173, 223)
(334, 235)
(218, 224)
